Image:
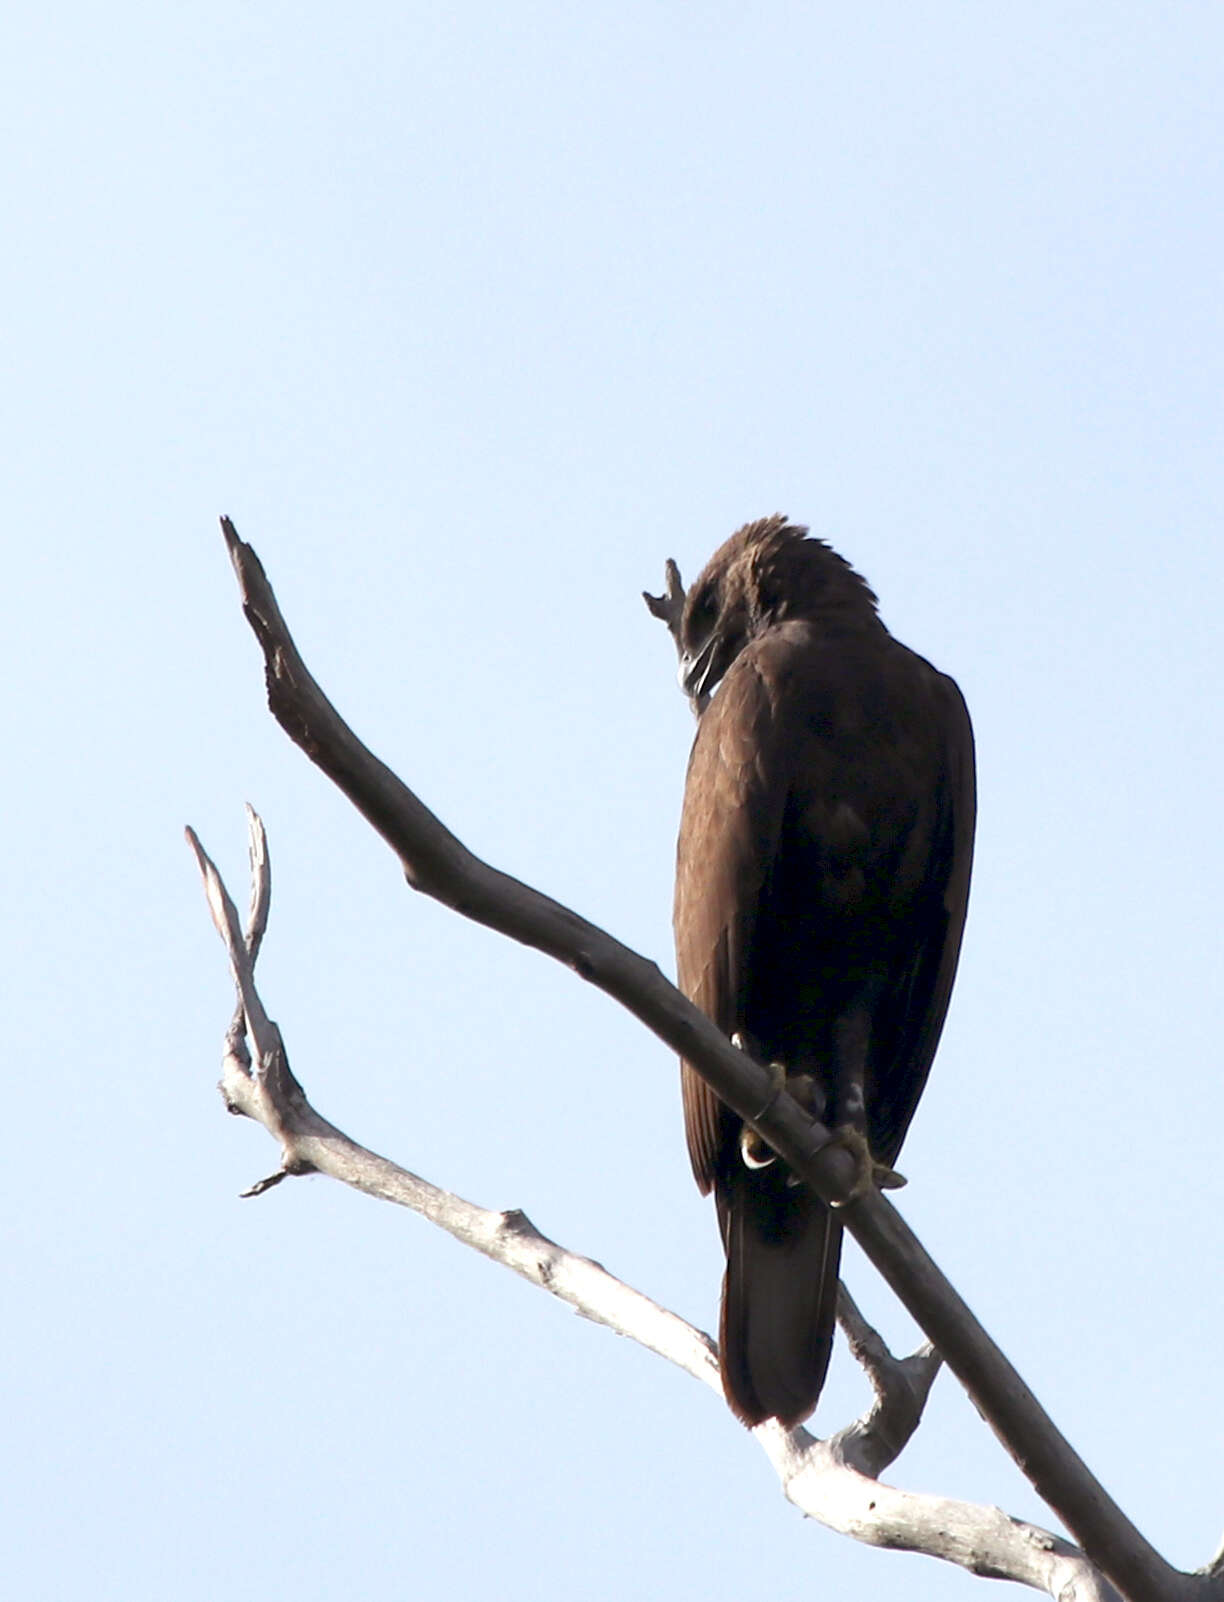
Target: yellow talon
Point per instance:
(869, 1174)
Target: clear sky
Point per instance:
(471, 316)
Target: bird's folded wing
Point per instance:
(920, 994)
(734, 802)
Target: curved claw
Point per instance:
(755, 1152)
(869, 1174)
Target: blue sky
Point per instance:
(470, 317)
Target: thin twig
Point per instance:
(900, 1385)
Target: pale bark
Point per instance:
(832, 1481)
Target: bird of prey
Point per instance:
(822, 874)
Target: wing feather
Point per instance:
(924, 989)
(734, 800)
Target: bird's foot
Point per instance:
(758, 1153)
(869, 1174)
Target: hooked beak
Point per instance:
(699, 673)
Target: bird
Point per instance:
(822, 878)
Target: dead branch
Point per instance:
(436, 862)
(669, 607)
(833, 1481)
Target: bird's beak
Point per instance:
(700, 672)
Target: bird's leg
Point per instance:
(758, 1153)
(851, 1038)
(803, 1086)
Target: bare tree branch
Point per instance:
(1214, 1571)
(984, 1540)
(257, 919)
(831, 1481)
(437, 863)
(669, 606)
(901, 1387)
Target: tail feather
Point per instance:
(779, 1304)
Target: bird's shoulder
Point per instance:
(799, 683)
(820, 726)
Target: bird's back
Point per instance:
(867, 741)
(821, 883)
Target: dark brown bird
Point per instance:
(821, 879)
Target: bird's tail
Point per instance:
(779, 1305)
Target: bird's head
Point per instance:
(766, 572)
